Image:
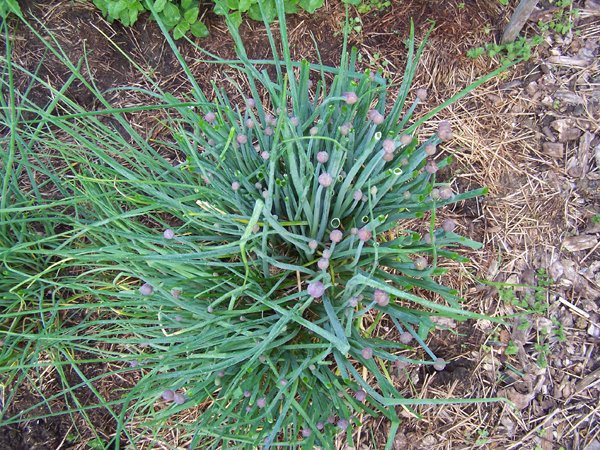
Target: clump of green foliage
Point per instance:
(519, 50)
(366, 6)
(239, 262)
(562, 18)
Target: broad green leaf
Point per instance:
(191, 15)
(159, 5)
(220, 7)
(244, 5)
(236, 18)
(187, 4)
(310, 6)
(198, 29)
(180, 29)
(14, 7)
(290, 6)
(171, 15)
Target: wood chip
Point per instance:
(578, 243)
(569, 97)
(553, 149)
(566, 130)
(570, 61)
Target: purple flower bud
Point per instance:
(313, 244)
(331, 419)
(269, 131)
(133, 363)
(327, 253)
(211, 142)
(210, 117)
(427, 238)
(422, 94)
(364, 234)
(176, 293)
(313, 131)
(336, 236)
(241, 139)
(353, 301)
(376, 117)
(430, 149)
(258, 185)
(444, 131)
(345, 129)
(367, 352)
(325, 179)
(406, 337)
(360, 395)
(283, 382)
(388, 146)
(431, 167)
(316, 289)
(265, 193)
(448, 225)
(323, 263)
(294, 121)
(270, 119)
(420, 263)
(435, 194)
(440, 364)
(250, 103)
(179, 399)
(342, 424)
(353, 231)
(309, 83)
(350, 97)
(405, 139)
(264, 155)
(306, 432)
(168, 395)
(320, 426)
(357, 196)
(256, 228)
(210, 309)
(382, 298)
(235, 185)
(146, 289)
(406, 195)
(446, 193)
(220, 373)
(250, 123)
(387, 157)
(247, 393)
(322, 157)
(168, 234)
(261, 402)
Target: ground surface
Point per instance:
(531, 136)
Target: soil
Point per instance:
(540, 196)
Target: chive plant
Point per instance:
(238, 280)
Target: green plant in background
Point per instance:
(562, 18)
(9, 6)
(263, 9)
(179, 16)
(519, 50)
(239, 263)
(366, 6)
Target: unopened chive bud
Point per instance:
(448, 225)
(210, 309)
(350, 97)
(176, 293)
(316, 289)
(313, 131)
(146, 289)
(256, 228)
(364, 234)
(179, 399)
(427, 238)
(210, 142)
(247, 393)
(241, 139)
(325, 179)
(250, 103)
(168, 395)
(306, 432)
(320, 426)
(345, 129)
(331, 419)
(283, 382)
(261, 402)
(342, 424)
(367, 352)
(406, 195)
(435, 194)
(353, 231)
(357, 196)
(221, 373)
(440, 364)
(406, 337)
(168, 234)
(382, 298)
(265, 193)
(404, 161)
(294, 121)
(235, 185)
(420, 263)
(405, 139)
(431, 167)
(422, 94)
(376, 117)
(387, 157)
(388, 146)
(313, 244)
(322, 157)
(336, 236)
(264, 155)
(446, 193)
(323, 263)
(250, 123)
(258, 185)
(268, 131)
(360, 395)
(210, 117)
(444, 130)
(327, 253)
(270, 119)
(353, 301)
(430, 149)
(373, 190)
